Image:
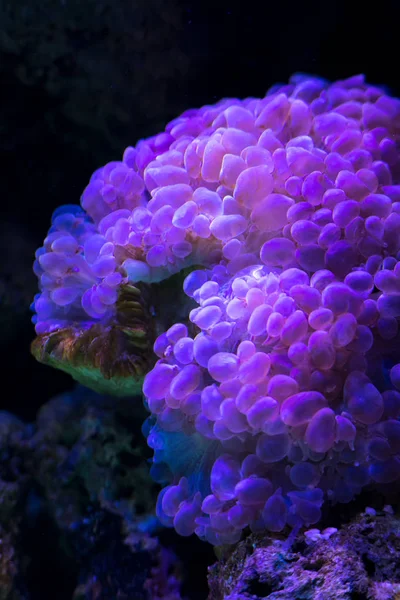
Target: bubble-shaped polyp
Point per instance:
(279, 387)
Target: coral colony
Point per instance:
(281, 389)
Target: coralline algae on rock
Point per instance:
(284, 391)
(359, 561)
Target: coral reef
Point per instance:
(90, 461)
(88, 451)
(109, 568)
(360, 561)
(77, 480)
(279, 390)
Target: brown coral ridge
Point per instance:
(359, 562)
(110, 357)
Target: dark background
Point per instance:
(81, 80)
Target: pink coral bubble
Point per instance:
(246, 397)
(330, 123)
(332, 197)
(281, 387)
(330, 234)
(265, 409)
(237, 309)
(388, 282)
(345, 430)
(173, 496)
(64, 296)
(291, 277)
(301, 162)
(343, 330)
(183, 350)
(375, 227)
(363, 341)
(293, 186)
(209, 202)
(387, 327)
(303, 474)
(322, 351)
(185, 518)
(360, 281)
(221, 331)
(207, 317)
(306, 298)
(211, 399)
(245, 350)
(300, 408)
(258, 320)
(253, 490)
(314, 186)
(234, 140)
(363, 400)
(345, 211)
(305, 232)
(376, 204)
(395, 376)
(270, 213)
(274, 114)
(156, 256)
(340, 258)
(212, 160)
(233, 420)
(223, 366)
(336, 297)
(231, 168)
(389, 306)
(255, 369)
(322, 217)
(211, 504)
(298, 353)
(271, 449)
(369, 313)
(277, 252)
(227, 227)
(275, 513)
(254, 298)
(387, 471)
(321, 279)
(321, 431)
(307, 505)
(225, 475)
(353, 187)
(203, 348)
(299, 211)
(311, 257)
(185, 215)
(253, 185)
(275, 324)
(295, 328)
(284, 305)
(157, 382)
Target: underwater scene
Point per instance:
(200, 300)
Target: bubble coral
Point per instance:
(281, 389)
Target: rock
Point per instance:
(359, 562)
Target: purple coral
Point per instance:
(287, 393)
(292, 379)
